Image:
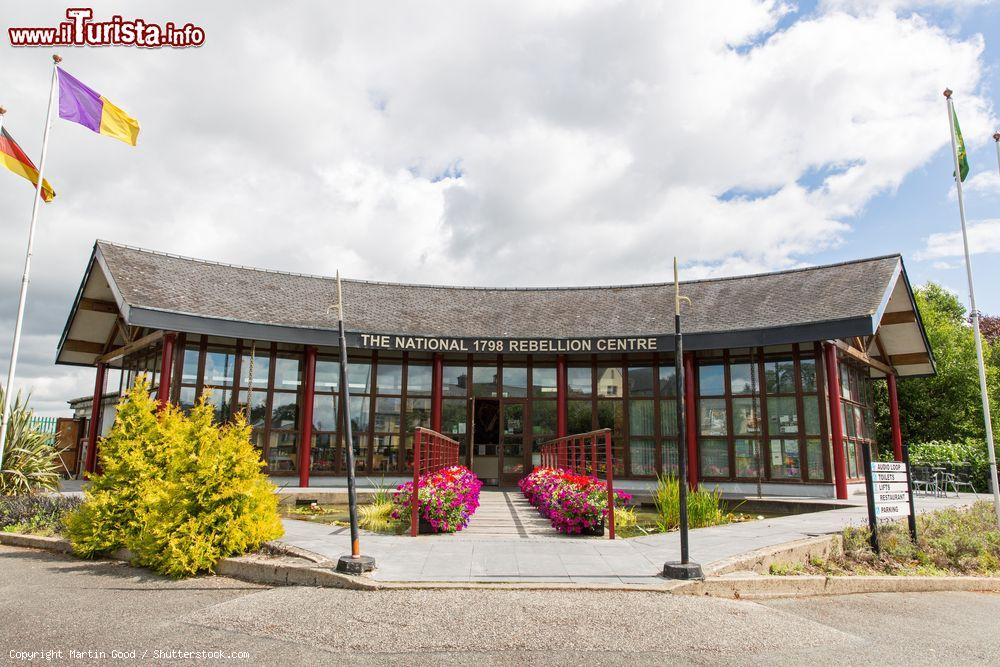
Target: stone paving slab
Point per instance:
(521, 557)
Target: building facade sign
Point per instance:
(598, 345)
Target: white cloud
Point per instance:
(897, 5)
(984, 237)
(984, 184)
(485, 143)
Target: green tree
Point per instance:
(946, 406)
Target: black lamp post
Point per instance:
(354, 563)
(683, 569)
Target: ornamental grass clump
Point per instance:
(30, 461)
(447, 499)
(179, 491)
(705, 508)
(572, 503)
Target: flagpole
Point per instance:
(27, 264)
(996, 140)
(974, 312)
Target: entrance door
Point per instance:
(486, 439)
(512, 452)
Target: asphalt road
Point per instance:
(51, 603)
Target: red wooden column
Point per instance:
(562, 393)
(897, 434)
(308, 392)
(166, 368)
(836, 420)
(95, 420)
(691, 417)
(437, 392)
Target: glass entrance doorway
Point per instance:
(498, 440)
(512, 454)
(486, 439)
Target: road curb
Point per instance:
(245, 568)
(56, 544)
(763, 587)
(760, 560)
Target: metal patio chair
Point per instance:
(923, 480)
(960, 477)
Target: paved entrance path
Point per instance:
(521, 547)
(505, 514)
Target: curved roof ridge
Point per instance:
(744, 276)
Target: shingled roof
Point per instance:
(159, 290)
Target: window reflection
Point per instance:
(580, 381)
(712, 380)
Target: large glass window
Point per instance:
(785, 462)
(543, 382)
(255, 375)
(284, 418)
(765, 411)
(580, 417)
(712, 417)
(780, 376)
(747, 457)
(217, 381)
(609, 382)
(580, 381)
(611, 414)
(359, 380)
(668, 418)
(714, 458)
(386, 418)
(484, 381)
(712, 380)
(858, 414)
(326, 407)
(455, 379)
(515, 381)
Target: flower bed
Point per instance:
(573, 503)
(448, 498)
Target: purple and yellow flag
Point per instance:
(81, 104)
(12, 157)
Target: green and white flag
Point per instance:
(963, 160)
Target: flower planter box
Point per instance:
(424, 527)
(593, 531)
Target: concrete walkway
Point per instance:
(505, 515)
(520, 546)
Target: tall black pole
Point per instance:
(866, 454)
(355, 563)
(681, 435)
(684, 569)
(912, 519)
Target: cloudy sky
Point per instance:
(509, 143)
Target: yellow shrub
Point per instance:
(179, 491)
(130, 457)
(214, 501)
